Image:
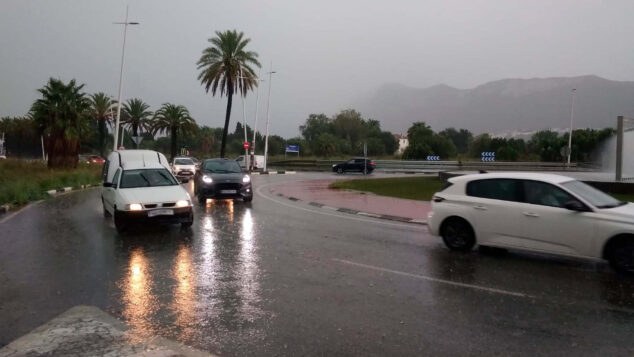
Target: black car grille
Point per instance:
(169, 204)
(185, 172)
(151, 205)
(228, 186)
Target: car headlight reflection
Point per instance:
(134, 207)
(207, 179)
(246, 179)
(183, 203)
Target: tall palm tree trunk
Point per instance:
(173, 134)
(223, 144)
(102, 137)
(135, 133)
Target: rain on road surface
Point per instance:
(277, 277)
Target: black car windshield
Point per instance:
(222, 167)
(146, 178)
(183, 162)
(597, 198)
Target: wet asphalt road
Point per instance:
(277, 277)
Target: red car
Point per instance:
(96, 160)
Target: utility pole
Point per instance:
(572, 112)
(125, 32)
(268, 117)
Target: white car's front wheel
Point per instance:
(457, 234)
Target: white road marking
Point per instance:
(436, 280)
(344, 215)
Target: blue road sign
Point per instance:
(433, 158)
(292, 148)
(488, 154)
(488, 158)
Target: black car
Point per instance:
(355, 165)
(222, 178)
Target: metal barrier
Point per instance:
(426, 166)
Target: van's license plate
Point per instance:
(160, 212)
(228, 191)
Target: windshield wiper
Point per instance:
(166, 178)
(146, 180)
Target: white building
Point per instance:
(403, 143)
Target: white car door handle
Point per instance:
(531, 214)
(482, 208)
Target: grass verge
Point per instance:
(24, 181)
(413, 188)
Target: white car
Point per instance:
(535, 212)
(138, 188)
(183, 168)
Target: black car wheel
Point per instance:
(189, 222)
(458, 234)
(118, 223)
(621, 255)
(339, 170)
(202, 199)
(248, 198)
(105, 211)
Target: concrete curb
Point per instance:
(274, 173)
(355, 212)
(7, 207)
(68, 189)
(87, 330)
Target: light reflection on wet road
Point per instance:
(266, 279)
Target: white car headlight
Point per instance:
(207, 179)
(246, 179)
(183, 203)
(134, 207)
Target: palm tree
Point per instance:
(226, 64)
(101, 107)
(172, 119)
(62, 115)
(136, 116)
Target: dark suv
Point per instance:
(355, 165)
(222, 178)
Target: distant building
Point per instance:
(403, 143)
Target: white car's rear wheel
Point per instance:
(457, 234)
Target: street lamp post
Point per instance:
(255, 123)
(572, 112)
(268, 117)
(125, 31)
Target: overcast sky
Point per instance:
(327, 54)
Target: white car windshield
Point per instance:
(146, 178)
(597, 198)
(183, 162)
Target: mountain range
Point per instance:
(503, 105)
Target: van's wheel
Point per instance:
(621, 255)
(202, 199)
(457, 234)
(340, 171)
(189, 222)
(118, 223)
(105, 211)
(248, 198)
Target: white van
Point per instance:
(139, 187)
(258, 163)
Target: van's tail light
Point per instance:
(437, 199)
(371, 164)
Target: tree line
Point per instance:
(545, 145)
(345, 133)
